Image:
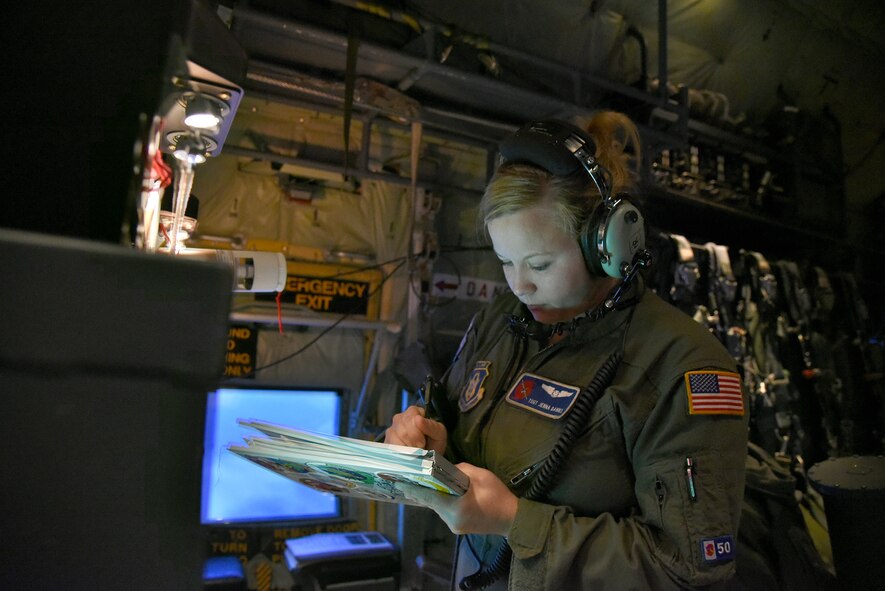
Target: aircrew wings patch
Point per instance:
(714, 393)
(542, 395)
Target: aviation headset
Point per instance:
(615, 230)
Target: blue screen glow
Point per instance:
(238, 491)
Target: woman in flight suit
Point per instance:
(643, 488)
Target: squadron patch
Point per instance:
(714, 393)
(543, 396)
(719, 549)
(474, 391)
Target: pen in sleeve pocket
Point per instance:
(689, 478)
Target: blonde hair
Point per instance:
(573, 198)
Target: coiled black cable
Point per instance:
(550, 469)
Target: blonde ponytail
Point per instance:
(616, 136)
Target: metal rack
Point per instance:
(287, 58)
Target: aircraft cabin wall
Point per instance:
(328, 260)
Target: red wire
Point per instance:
(280, 311)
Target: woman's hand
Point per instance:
(412, 428)
(488, 506)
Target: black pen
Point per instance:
(425, 397)
(689, 477)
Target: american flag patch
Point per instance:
(714, 393)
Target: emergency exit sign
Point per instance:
(324, 294)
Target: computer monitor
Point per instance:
(238, 492)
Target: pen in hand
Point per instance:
(425, 397)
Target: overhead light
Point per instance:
(187, 156)
(190, 148)
(202, 112)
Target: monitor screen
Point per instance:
(236, 491)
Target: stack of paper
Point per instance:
(346, 466)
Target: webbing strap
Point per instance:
(353, 45)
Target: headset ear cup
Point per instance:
(587, 241)
(622, 237)
(622, 233)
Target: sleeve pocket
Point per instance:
(692, 522)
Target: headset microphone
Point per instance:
(527, 328)
(615, 230)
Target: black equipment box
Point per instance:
(106, 355)
(853, 489)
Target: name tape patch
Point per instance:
(543, 396)
(714, 393)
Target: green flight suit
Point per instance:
(620, 515)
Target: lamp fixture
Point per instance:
(190, 148)
(203, 111)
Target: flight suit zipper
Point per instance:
(507, 377)
(523, 474)
(660, 493)
(530, 364)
